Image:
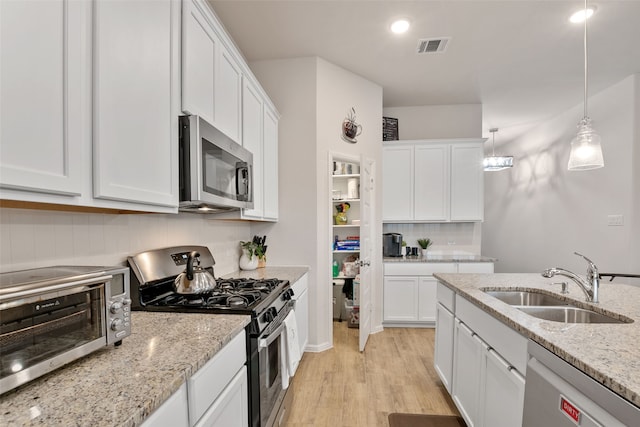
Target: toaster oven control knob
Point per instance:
(117, 325)
(126, 301)
(115, 307)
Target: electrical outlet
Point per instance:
(615, 220)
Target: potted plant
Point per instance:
(424, 244)
(260, 250)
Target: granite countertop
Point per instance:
(609, 353)
(120, 386)
(441, 258)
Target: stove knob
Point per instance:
(117, 325)
(287, 295)
(274, 312)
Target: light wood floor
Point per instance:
(342, 387)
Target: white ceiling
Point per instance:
(522, 60)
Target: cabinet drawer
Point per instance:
(506, 341)
(475, 267)
(206, 384)
(418, 268)
(446, 297)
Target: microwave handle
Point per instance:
(243, 181)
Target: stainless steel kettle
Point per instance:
(194, 279)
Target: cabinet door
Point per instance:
(231, 408)
(301, 298)
(252, 125)
(431, 185)
(502, 400)
(44, 125)
(467, 373)
(397, 183)
(227, 94)
(443, 356)
(136, 64)
(400, 299)
(467, 182)
(270, 165)
(173, 413)
(199, 47)
(427, 299)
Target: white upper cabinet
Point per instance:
(433, 181)
(136, 66)
(397, 183)
(270, 165)
(211, 74)
(252, 116)
(44, 69)
(199, 47)
(467, 183)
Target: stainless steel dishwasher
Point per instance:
(557, 394)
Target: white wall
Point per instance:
(313, 97)
(538, 213)
(437, 121)
(35, 238)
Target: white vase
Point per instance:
(246, 263)
(425, 252)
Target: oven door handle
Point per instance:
(266, 342)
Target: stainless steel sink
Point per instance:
(548, 307)
(526, 298)
(569, 314)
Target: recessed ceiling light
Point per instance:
(579, 15)
(400, 26)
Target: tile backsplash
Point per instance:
(456, 238)
(35, 238)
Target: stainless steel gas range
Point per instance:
(267, 301)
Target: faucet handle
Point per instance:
(593, 270)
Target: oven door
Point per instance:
(270, 359)
(42, 331)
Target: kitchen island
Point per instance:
(608, 353)
(121, 386)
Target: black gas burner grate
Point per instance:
(228, 293)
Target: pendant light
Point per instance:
(496, 163)
(586, 152)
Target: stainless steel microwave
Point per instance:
(216, 173)
(52, 316)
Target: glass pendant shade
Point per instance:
(494, 163)
(497, 163)
(586, 152)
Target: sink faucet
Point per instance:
(589, 286)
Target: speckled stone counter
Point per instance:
(120, 386)
(609, 353)
(441, 258)
(292, 274)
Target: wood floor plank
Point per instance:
(342, 387)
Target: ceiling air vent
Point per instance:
(435, 45)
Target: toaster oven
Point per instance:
(52, 316)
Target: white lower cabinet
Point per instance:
(503, 397)
(481, 362)
(443, 357)
(400, 299)
(409, 296)
(173, 413)
(467, 364)
(215, 396)
(301, 309)
(230, 409)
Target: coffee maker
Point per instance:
(392, 245)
